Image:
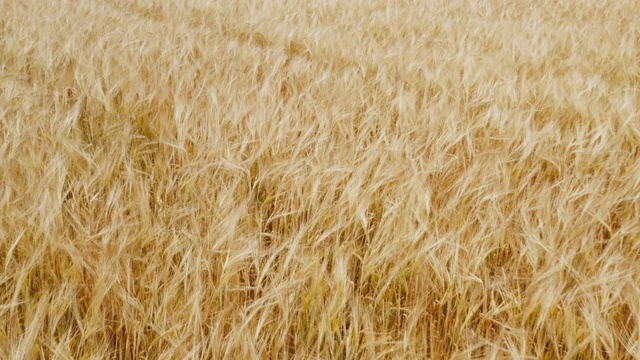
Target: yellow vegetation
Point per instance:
(319, 179)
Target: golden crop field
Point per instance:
(319, 179)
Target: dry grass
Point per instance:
(319, 179)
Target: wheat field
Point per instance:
(323, 179)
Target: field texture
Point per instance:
(368, 179)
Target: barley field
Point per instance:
(322, 179)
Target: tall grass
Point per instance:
(319, 179)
